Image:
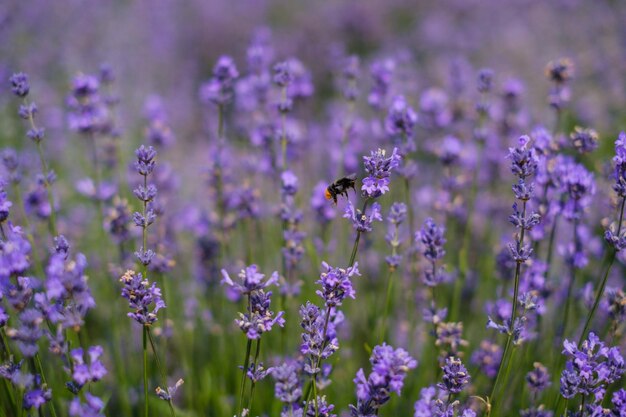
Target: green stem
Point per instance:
(43, 379)
(255, 365)
(383, 330)
(160, 368)
(145, 371)
(243, 375)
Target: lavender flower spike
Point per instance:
(251, 280)
(378, 167)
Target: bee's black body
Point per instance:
(340, 187)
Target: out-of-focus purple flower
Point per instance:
(538, 379)
(579, 186)
(289, 183)
(84, 372)
(488, 357)
(432, 237)
(87, 112)
(144, 298)
(619, 162)
(401, 119)
(316, 345)
(449, 338)
(536, 412)
(29, 332)
(219, 89)
(168, 394)
(14, 252)
(378, 167)
(320, 408)
(560, 71)
(619, 403)
(382, 74)
(389, 368)
(117, 219)
(19, 84)
(336, 284)
(251, 280)
(92, 407)
(37, 397)
(584, 140)
(434, 112)
(5, 205)
(362, 222)
(485, 80)
(259, 318)
(455, 376)
(66, 281)
(324, 211)
(288, 388)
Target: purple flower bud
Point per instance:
(19, 84)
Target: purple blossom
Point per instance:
(287, 388)
(584, 140)
(251, 280)
(362, 222)
(455, 376)
(144, 298)
(378, 167)
(336, 284)
(590, 368)
(316, 345)
(389, 368)
(488, 357)
(84, 372)
(432, 237)
(19, 84)
(219, 89)
(14, 252)
(401, 119)
(538, 379)
(29, 332)
(92, 407)
(259, 318)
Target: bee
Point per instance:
(340, 187)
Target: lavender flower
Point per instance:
(382, 73)
(92, 407)
(219, 89)
(389, 368)
(488, 357)
(584, 140)
(259, 318)
(14, 252)
(251, 280)
(431, 237)
(590, 368)
(400, 119)
(538, 379)
(167, 395)
(144, 298)
(288, 387)
(316, 344)
(19, 84)
(378, 167)
(29, 332)
(336, 284)
(82, 372)
(455, 376)
(362, 222)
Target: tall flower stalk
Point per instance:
(21, 88)
(523, 165)
(142, 294)
(257, 319)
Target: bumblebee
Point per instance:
(340, 187)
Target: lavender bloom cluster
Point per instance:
(389, 369)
